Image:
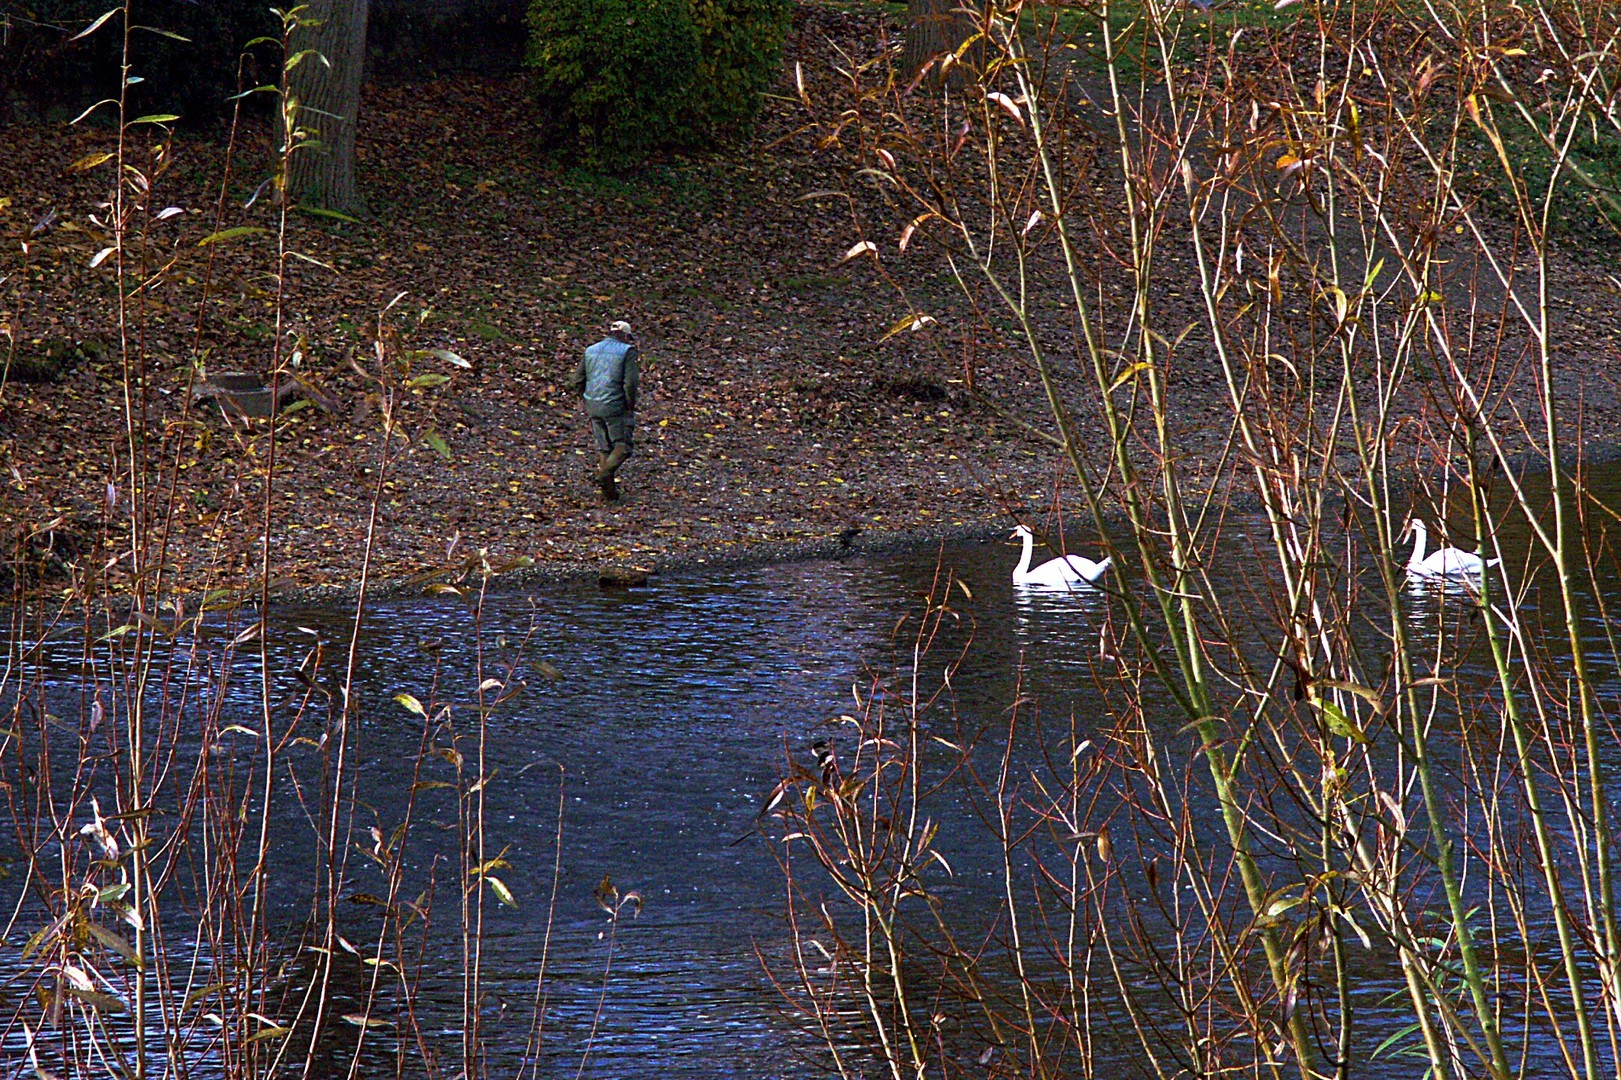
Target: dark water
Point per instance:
(666, 718)
(666, 723)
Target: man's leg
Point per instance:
(616, 457)
(605, 472)
(618, 430)
(602, 434)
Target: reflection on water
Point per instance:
(664, 714)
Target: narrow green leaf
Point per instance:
(1395, 1037)
(97, 1000)
(1340, 724)
(38, 939)
(450, 358)
(299, 57)
(1366, 693)
(230, 234)
(91, 109)
(313, 262)
(502, 893)
(170, 34)
(1282, 904)
(199, 994)
(93, 27)
(320, 211)
(117, 944)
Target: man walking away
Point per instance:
(607, 378)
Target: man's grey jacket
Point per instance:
(608, 376)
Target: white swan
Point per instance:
(1063, 573)
(1446, 563)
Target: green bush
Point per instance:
(617, 79)
(739, 44)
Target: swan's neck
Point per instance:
(1420, 542)
(1024, 560)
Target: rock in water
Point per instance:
(623, 577)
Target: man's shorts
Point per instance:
(608, 430)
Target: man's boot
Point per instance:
(610, 465)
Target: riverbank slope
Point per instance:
(431, 344)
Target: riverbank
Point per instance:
(774, 419)
(431, 345)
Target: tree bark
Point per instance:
(325, 86)
(936, 27)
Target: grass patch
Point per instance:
(812, 283)
(1579, 215)
(486, 330)
(1079, 31)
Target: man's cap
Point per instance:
(620, 327)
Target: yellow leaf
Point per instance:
(865, 247)
(1129, 373)
(90, 161)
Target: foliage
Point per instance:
(187, 54)
(739, 42)
(111, 895)
(1363, 780)
(617, 79)
(611, 75)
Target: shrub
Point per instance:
(619, 78)
(739, 43)
(610, 74)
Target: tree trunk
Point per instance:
(327, 95)
(937, 27)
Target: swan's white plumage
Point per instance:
(1065, 573)
(1448, 562)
